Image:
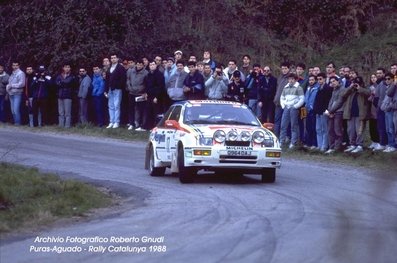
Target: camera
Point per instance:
(355, 85)
(219, 73)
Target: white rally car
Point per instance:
(213, 136)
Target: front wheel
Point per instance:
(154, 171)
(186, 174)
(268, 175)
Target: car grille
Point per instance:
(237, 143)
(237, 159)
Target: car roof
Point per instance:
(206, 102)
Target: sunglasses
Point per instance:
(387, 78)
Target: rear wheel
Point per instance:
(268, 175)
(186, 174)
(154, 171)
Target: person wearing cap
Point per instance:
(3, 83)
(38, 95)
(16, 83)
(232, 67)
(178, 55)
(236, 91)
(291, 99)
(216, 86)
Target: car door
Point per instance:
(160, 136)
(170, 143)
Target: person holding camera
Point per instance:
(355, 112)
(216, 86)
(38, 94)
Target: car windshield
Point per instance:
(232, 114)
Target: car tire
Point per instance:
(186, 174)
(154, 171)
(268, 175)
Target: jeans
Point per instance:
(65, 112)
(322, 131)
(2, 98)
(290, 117)
(355, 128)
(253, 105)
(114, 103)
(381, 122)
(390, 129)
(83, 110)
(15, 101)
(98, 103)
(335, 131)
(267, 111)
(277, 120)
(311, 138)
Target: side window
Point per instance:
(176, 113)
(161, 124)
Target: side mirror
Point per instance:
(172, 124)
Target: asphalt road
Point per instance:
(313, 213)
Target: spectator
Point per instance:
(154, 87)
(355, 112)
(3, 83)
(387, 107)
(303, 82)
(232, 67)
(246, 67)
(159, 60)
(98, 90)
(237, 90)
(169, 70)
(136, 88)
(26, 106)
(373, 132)
(380, 93)
(85, 90)
(115, 83)
(254, 83)
(321, 102)
(310, 98)
(282, 81)
(66, 84)
(330, 70)
(207, 59)
(200, 67)
(216, 86)
(178, 55)
(175, 84)
(291, 99)
(266, 95)
(335, 116)
(393, 69)
(316, 70)
(193, 83)
(207, 73)
(38, 95)
(105, 64)
(16, 83)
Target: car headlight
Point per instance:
(232, 136)
(207, 141)
(258, 137)
(245, 136)
(219, 136)
(269, 142)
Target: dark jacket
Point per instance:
(323, 96)
(196, 83)
(254, 84)
(267, 90)
(236, 92)
(40, 87)
(154, 85)
(66, 85)
(116, 79)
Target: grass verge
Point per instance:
(30, 199)
(367, 158)
(92, 130)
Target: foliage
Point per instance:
(84, 31)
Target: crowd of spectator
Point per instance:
(326, 110)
